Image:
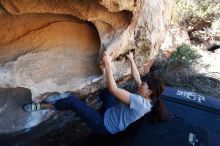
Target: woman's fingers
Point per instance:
(130, 55)
(105, 59)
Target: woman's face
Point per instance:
(144, 90)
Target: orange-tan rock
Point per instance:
(55, 45)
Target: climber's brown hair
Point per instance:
(159, 112)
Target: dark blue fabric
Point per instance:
(94, 119)
(108, 100)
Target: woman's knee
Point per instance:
(73, 97)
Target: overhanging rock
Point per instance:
(55, 45)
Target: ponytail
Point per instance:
(159, 113)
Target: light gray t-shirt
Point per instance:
(117, 118)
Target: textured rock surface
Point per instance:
(13, 118)
(55, 45)
(175, 37)
(45, 46)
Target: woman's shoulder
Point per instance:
(139, 100)
(139, 97)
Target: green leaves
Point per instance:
(185, 56)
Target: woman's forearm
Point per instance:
(110, 78)
(135, 73)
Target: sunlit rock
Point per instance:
(56, 45)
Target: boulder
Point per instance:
(56, 45)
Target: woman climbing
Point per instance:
(114, 117)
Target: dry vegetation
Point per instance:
(201, 18)
(181, 70)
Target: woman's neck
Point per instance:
(147, 97)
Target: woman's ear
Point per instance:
(150, 91)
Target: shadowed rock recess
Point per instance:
(55, 46)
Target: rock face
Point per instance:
(175, 37)
(55, 45)
(13, 118)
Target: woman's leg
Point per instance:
(89, 115)
(108, 100)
